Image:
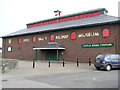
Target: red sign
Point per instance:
(66, 19)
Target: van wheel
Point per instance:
(108, 67)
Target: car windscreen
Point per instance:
(100, 57)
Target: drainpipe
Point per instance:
(115, 41)
(57, 55)
(36, 54)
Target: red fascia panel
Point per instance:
(66, 19)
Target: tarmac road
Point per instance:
(57, 76)
(94, 79)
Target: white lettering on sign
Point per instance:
(95, 45)
(57, 37)
(89, 34)
(26, 40)
(62, 37)
(42, 39)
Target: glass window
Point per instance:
(52, 37)
(100, 57)
(34, 39)
(113, 57)
(118, 57)
(107, 57)
(19, 41)
(9, 49)
(73, 35)
(105, 33)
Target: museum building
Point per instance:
(81, 35)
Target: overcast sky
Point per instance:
(15, 14)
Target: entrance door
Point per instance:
(51, 55)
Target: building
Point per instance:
(81, 35)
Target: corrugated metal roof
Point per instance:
(96, 20)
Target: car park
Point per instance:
(107, 61)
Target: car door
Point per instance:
(115, 62)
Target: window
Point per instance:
(105, 33)
(52, 37)
(118, 57)
(9, 49)
(113, 57)
(73, 35)
(19, 40)
(100, 57)
(34, 39)
(107, 57)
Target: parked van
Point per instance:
(107, 61)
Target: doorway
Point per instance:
(51, 55)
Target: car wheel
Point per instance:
(108, 67)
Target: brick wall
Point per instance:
(73, 49)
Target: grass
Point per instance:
(3, 59)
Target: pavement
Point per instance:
(57, 76)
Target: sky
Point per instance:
(15, 14)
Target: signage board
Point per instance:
(98, 45)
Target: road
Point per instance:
(65, 77)
(94, 79)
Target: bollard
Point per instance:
(77, 62)
(63, 63)
(49, 63)
(33, 63)
(89, 62)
